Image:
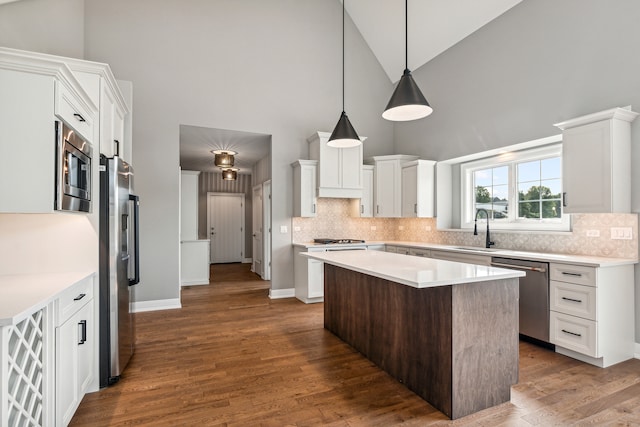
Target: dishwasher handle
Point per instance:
(519, 267)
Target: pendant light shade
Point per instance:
(343, 135)
(223, 159)
(230, 174)
(407, 102)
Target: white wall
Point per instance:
(47, 243)
(264, 67)
(49, 26)
(540, 63)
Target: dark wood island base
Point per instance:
(456, 346)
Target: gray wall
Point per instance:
(540, 63)
(264, 67)
(48, 26)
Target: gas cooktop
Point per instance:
(334, 241)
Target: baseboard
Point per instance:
(636, 353)
(247, 260)
(282, 293)
(161, 304)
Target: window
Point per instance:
(518, 190)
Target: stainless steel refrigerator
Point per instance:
(119, 266)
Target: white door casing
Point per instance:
(257, 265)
(266, 227)
(225, 223)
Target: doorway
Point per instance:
(225, 224)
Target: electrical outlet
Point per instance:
(296, 228)
(373, 228)
(401, 227)
(593, 233)
(621, 233)
(427, 228)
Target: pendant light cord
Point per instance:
(406, 34)
(343, 7)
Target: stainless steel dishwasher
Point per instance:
(534, 296)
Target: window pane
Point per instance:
(482, 178)
(529, 171)
(529, 210)
(551, 188)
(551, 168)
(501, 175)
(551, 209)
(528, 191)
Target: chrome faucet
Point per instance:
(487, 243)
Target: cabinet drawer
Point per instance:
(73, 299)
(425, 253)
(576, 300)
(578, 274)
(574, 333)
(71, 110)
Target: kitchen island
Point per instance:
(447, 330)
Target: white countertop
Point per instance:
(589, 261)
(23, 294)
(412, 271)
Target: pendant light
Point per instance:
(343, 135)
(230, 174)
(224, 158)
(407, 102)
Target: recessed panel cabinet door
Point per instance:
(351, 167)
(586, 168)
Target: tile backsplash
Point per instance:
(334, 220)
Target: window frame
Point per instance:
(510, 159)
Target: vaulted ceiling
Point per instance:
(433, 27)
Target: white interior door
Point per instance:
(226, 227)
(257, 230)
(266, 227)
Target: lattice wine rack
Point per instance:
(25, 372)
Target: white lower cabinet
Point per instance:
(592, 312)
(308, 275)
(75, 346)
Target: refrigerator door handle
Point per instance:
(136, 235)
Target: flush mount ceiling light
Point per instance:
(230, 174)
(224, 158)
(407, 102)
(343, 135)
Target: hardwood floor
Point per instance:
(233, 357)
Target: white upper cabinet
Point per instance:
(388, 185)
(363, 207)
(36, 91)
(304, 188)
(418, 182)
(103, 89)
(339, 169)
(596, 162)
